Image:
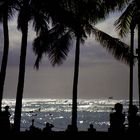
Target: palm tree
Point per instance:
(29, 10)
(123, 25)
(132, 27)
(7, 10)
(78, 23)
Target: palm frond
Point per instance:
(12, 8)
(8, 7)
(59, 49)
(88, 29)
(24, 15)
(50, 42)
(123, 23)
(121, 4)
(41, 45)
(40, 22)
(118, 49)
(39, 48)
(39, 17)
(116, 4)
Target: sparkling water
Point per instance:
(58, 112)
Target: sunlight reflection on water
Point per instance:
(58, 112)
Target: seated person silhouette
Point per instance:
(133, 119)
(117, 119)
(48, 127)
(91, 128)
(34, 129)
(69, 128)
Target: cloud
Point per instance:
(15, 35)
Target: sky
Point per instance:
(100, 75)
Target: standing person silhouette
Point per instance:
(117, 119)
(5, 122)
(133, 119)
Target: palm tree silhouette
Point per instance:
(132, 27)
(124, 25)
(7, 10)
(79, 23)
(29, 10)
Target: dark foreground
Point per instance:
(68, 135)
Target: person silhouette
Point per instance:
(91, 128)
(48, 127)
(34, 129)
(133, 119)
(69, 128)
(7, 110)
(5, 119)
(117, 119)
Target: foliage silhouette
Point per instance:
(29, 10)
(123, 26)
(78, 20)
(7, 10)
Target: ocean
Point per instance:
(58, 112)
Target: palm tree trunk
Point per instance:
(20, 86)
(75, 85)
(131, 68)
(5, 53)
(139, 62)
